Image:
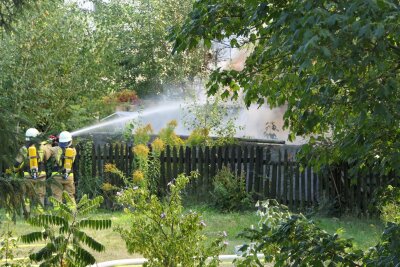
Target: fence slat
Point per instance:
(267, 175)
(168, 166)
(181, 166)
(309, 186)
(213, 162)
(279, 181)
(239, 160)
(163, 175)
(291, 184)
(251, 167)
(207, 178)
(303, 189)
(232, 159)
(297, 187)
(201, 181)
(175, 162)
(194, 183)
(258, 174)
(187, 160)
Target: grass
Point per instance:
(365, 233)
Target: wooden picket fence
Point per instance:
(271, 171)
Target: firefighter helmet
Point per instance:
(31, 133)
(65, 139)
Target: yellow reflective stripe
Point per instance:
(58, 173)
(41, 155)
(58, 156)
(39, 173)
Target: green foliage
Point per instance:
(88, 184)
(168, 135)
(55, 42)
(136, 34)
(13, 193)
(62, 230)
(387, 252)
(142, 134)
(293, 240)
(229, 193)
(334, 64)
(215, 118)
(198, 137)
(389, 204)
(11, 9)
(163, 233)
(8, 246)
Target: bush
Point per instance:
(229, 193)
(9, 245)
(163, 233)
(292, 240)
(62, 229)
(387, 252)
(389, 204)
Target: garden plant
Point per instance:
(62, 229)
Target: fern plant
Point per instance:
(62, 229)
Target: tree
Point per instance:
(137, 42)
(10, 9)
(53, 69)
(335, 64)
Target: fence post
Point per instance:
(163, 177)
(168, 164)
(258, 174)
(175, 162)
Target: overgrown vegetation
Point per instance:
(163, 233)
(334, 64)
(14, 192)
(62, 230)
(287, 239)
(389, 204)
(9, 244)
(229, 192)
(89, 184)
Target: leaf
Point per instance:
(95, 224)
(326, 51)
(32, 237)
(379, 31)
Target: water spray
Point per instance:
(149, 111)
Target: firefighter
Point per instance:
(63, 158)
(31, 162)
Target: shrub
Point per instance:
(62, 229)
(168, 135)
(163, 233)
(292, 240)
(14, 192)
(199, 137)
(88, 184)
(387, 252)
(8, 245)
(229, 193)
(389, 204)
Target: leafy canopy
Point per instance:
(334, 64)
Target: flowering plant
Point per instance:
(163, 232)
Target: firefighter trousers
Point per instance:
(61, 184)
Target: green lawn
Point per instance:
(364, 232)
